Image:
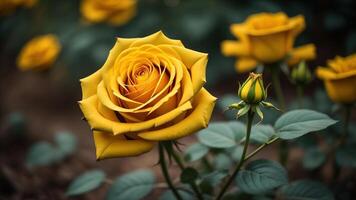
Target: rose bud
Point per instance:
(301, 74)
(252, 90)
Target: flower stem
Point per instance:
(343, 138)
(182, 167)
(276, 84)
(300, 93)
(250, 116)
(165, 173)
(347, 115)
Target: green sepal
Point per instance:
(269, 105)
(236, 106)
(266, 91)
(257, 110)
(243, 111)
(239, 90)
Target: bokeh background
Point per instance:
(36, 106)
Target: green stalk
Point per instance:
(343, 138)
(347, 115)
(162, 162)
(250, 116)
(300, 94)
(276, 84)
(182, 167)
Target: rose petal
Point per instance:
(198, 119)
(157, 38)
(90, 83)
(305, 52)
(98, 122)
(245, 64)
(328, 74)
(234, 48)
(109, 146)
(196, 63)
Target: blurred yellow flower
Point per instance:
(115, 12)
(8, 6)
(267, 38)
(149, 89)
(340, 78)
(39, 53)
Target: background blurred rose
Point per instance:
(340, 79)
(267, 38)
(112, 11)
(39, 53)
(8, 6)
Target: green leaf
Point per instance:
(236, 153)
(168, 195)
(41, 154)
(261, 133)
(222, 162)
(66, 142)
(134, 185)
(313, 158)
(345, 156)
(305, 190)
(260, 176)
(196, 152)
(189, 175)
(297, 123)
(86, 182)
(238, 128)
(217, 135)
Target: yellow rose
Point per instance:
(340, 79)
(267, 38)
(8, 6)
(116, 12)
(149, 89)
(39, 53)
